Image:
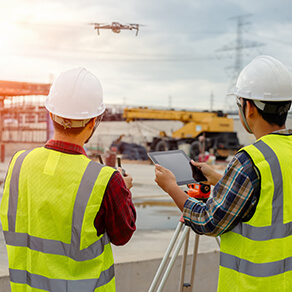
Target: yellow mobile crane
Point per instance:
(202, 130)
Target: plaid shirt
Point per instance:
(234, 198)
(117, 214)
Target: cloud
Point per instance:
(175, 53)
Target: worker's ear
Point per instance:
(249, 109)
(91, 123)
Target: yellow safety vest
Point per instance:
(257, 255)
(48, 208)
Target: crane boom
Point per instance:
(132, 114)
(195, 122)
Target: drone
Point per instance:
(116, 27)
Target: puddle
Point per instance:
(156, 215)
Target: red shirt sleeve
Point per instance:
(117, 214)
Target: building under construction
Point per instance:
(23, 117)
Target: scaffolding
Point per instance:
(23, 117)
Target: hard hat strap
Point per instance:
(243, 115)
(68, 123)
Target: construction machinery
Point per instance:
(202, 132)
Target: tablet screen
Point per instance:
(177, 161)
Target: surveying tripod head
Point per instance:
(199, 191)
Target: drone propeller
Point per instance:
(138, 24)
(97, 23)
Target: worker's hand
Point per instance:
(212, 176)
(164, 178)
(127, 178)
(167, 181)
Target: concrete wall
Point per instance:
(138, 276)
(4, 284)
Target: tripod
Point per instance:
(183, 238)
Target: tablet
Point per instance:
(177, 162)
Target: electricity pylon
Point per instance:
(238, 47)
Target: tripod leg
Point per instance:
(195, 254)
(166, 256)
(184, 262)
(175, 254)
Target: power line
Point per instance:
(238, 47)
(272, 39)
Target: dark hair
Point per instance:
(273, 119)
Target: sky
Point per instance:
(183, 57)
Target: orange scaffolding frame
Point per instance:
(8, 90)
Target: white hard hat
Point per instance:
(76, 94)
(264, 79)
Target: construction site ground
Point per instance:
(138, 260)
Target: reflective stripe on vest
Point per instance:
(276, 230)
(255, 270)
(57, 285)
(55, 247)
(13, 191)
